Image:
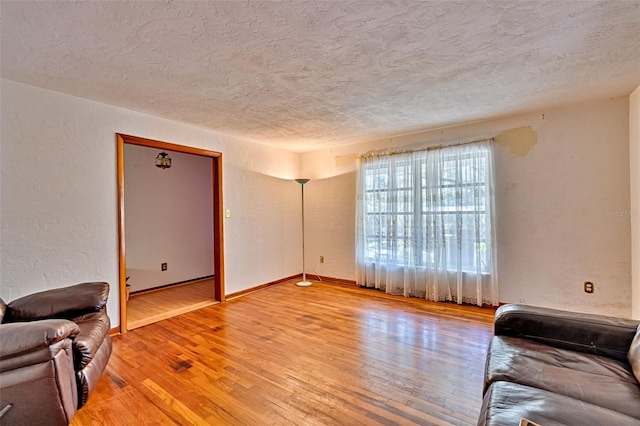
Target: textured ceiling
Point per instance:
(307, 75)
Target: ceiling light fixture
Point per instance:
(163, 160)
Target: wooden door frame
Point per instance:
(218, 234)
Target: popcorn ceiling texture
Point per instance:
(308, 75)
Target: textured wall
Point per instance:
(168, 217)
(330, 209)
(562, 178)
(58, 197)
(59, 201)
(634, 155)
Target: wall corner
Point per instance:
(634, 158)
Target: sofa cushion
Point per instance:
(595, 379)
(94, 328)
(634, 354)
(506, 403)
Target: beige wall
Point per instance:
(562, 176)
(59, 197)
(562, 179)
(634, 155)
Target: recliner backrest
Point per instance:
(66, 302)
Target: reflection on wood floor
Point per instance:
(153, 306)
(285, 355)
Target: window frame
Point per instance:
(418, 174)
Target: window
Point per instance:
(427, 209)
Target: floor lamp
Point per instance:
(304, 282)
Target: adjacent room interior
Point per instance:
(169, 240)
(460, 156)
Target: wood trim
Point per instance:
(336, 280)
(114, 331)
(151, 143)
(261, 287)
(122, 267)
(218, 231)
(163, 287)
(218, 237)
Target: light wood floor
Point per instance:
(147, 308)
(324, 355)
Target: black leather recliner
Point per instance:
(54, 346)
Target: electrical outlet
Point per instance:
(163, 266)
(589, 287)
(321, 259)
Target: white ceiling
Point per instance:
(306, 75)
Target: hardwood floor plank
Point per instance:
(157, 305)
(323, 355)
(183, 414)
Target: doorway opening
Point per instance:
(212, 285)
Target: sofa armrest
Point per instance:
(590, 333)
(66, 302)
(94, 328)
(21, 337)
(37, 380)
(27, 343)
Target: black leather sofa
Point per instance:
(555, 367)
(54, 347)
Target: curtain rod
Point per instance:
(428, 148)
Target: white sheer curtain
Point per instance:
(425, 224)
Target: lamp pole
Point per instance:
(304, 282)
